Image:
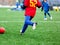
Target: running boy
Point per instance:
(30, 10)
(45, 7)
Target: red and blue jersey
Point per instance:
(31, 5)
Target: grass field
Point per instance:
(46, 33)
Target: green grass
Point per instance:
(46, 33)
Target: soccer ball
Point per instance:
(2, 30)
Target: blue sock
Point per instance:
(49, 14)
(44, 15)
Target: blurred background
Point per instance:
(54, 4)
(12, 19)
(12, 2)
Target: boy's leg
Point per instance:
(34, 25)
(26, 23)
(24, 28)
(17, 4)
(28, 20)
(49, 15)
(45, 18)
(45, 15)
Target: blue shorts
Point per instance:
(46, 11)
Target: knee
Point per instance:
(44, 13)
(26, 22)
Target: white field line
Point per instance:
(54, 42)
(34, 21)
(50, 42)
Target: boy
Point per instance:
(30, 10)
(45, 7)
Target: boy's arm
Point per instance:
(25, 4)
(39, 4)
(42, 6)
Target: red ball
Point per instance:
(2, 30)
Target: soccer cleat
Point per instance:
(45, 18)
(21, 32)
(51, 18)
(34, 26)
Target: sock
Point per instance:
(44, 15)
(49, 14)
